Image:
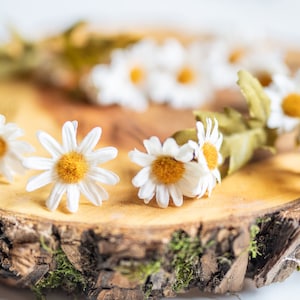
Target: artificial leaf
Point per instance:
(257, 100)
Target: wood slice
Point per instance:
(127, 250)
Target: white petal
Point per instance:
(200, 132)
(147, 191)
(49, 143)
(153, 145)
(162, 196)
(38, 163)
(20, 147)
(39, 181)
(93, 192)
(2, 119)
(185, 153)
(69, 137)
(6, 172)
(208, 128)
(90, 140)
(140, 158)
(102, 155)
(73, 195)
(176, 194)
(170, 147)
(55, 196)
(104, 176)
(141, 177)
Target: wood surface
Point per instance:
(99, 240)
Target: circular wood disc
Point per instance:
(267, 188)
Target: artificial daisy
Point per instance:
(124, 80)
(284, 94)
(11, 149)
(73, 167)
(207, 153)
(182, 82)
(167, 172)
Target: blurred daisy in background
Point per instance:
(181, 80)
(284, 93)
(11, 149)
(124, 80)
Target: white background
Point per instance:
(278, 18)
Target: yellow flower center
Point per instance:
(264, 78)
(71, 167)
(236, 55)
(136, 75)
(211, 155)
(3, 147)
(167, 170)
(291, 105)
(186, 76)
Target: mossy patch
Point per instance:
(64, 275)
(186, 252)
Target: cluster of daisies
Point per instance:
(182, 76)
(169, 171)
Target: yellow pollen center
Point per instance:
(236, 55)
(186, 76)
(291, 105)
(167, 170)
(71, 167)
(3, 147)
(136, 75)
(264, 78)
(211, 155)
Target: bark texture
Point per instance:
(143, 264)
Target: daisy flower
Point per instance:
(284, 94)
(124, 80)
(263, 62)
(73, 167)
(167, 172)
(182, 81)
(207, 153)
(11, 149)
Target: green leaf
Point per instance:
(230, 121)
(257, 99)
(183, 136)
(239, 147)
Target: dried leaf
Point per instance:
(257, 99)
(183, 136)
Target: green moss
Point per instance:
(64, 275)
(137, 271)
(186, 252)
(253, 248)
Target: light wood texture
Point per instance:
(124, 227)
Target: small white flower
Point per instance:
(284, 94)
(207, 153)
(72, 168)
(182, 82)
(167, 172)
(264, 62)
(124, 80)
(11, 149)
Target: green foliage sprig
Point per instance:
(243, 134)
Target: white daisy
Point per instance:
(11, 149)
(207, 153)
(264, 61)
(284, 93)
(167, 172)
(182, 81)
(73, 168)
(124, 80)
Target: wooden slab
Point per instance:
(268, 188)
